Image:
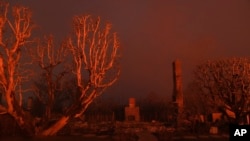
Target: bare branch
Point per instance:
(94, 52)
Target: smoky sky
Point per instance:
(153, 33)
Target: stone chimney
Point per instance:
(177, 90)
(132, 111)
(131, 102)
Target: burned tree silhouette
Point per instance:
(15, 32)
(94, 52)
(49, 58)
(226, 83)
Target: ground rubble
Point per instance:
(134, 131)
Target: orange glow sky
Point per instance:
(153, 33)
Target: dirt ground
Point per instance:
(58, 138)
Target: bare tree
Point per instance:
(15, 32)
(226, 83)
(49, 58)
(94, 52)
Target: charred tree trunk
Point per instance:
(56, 127)
(24, 120)
(63, 121)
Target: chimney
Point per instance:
(131, 102)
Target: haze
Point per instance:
(155, 33)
